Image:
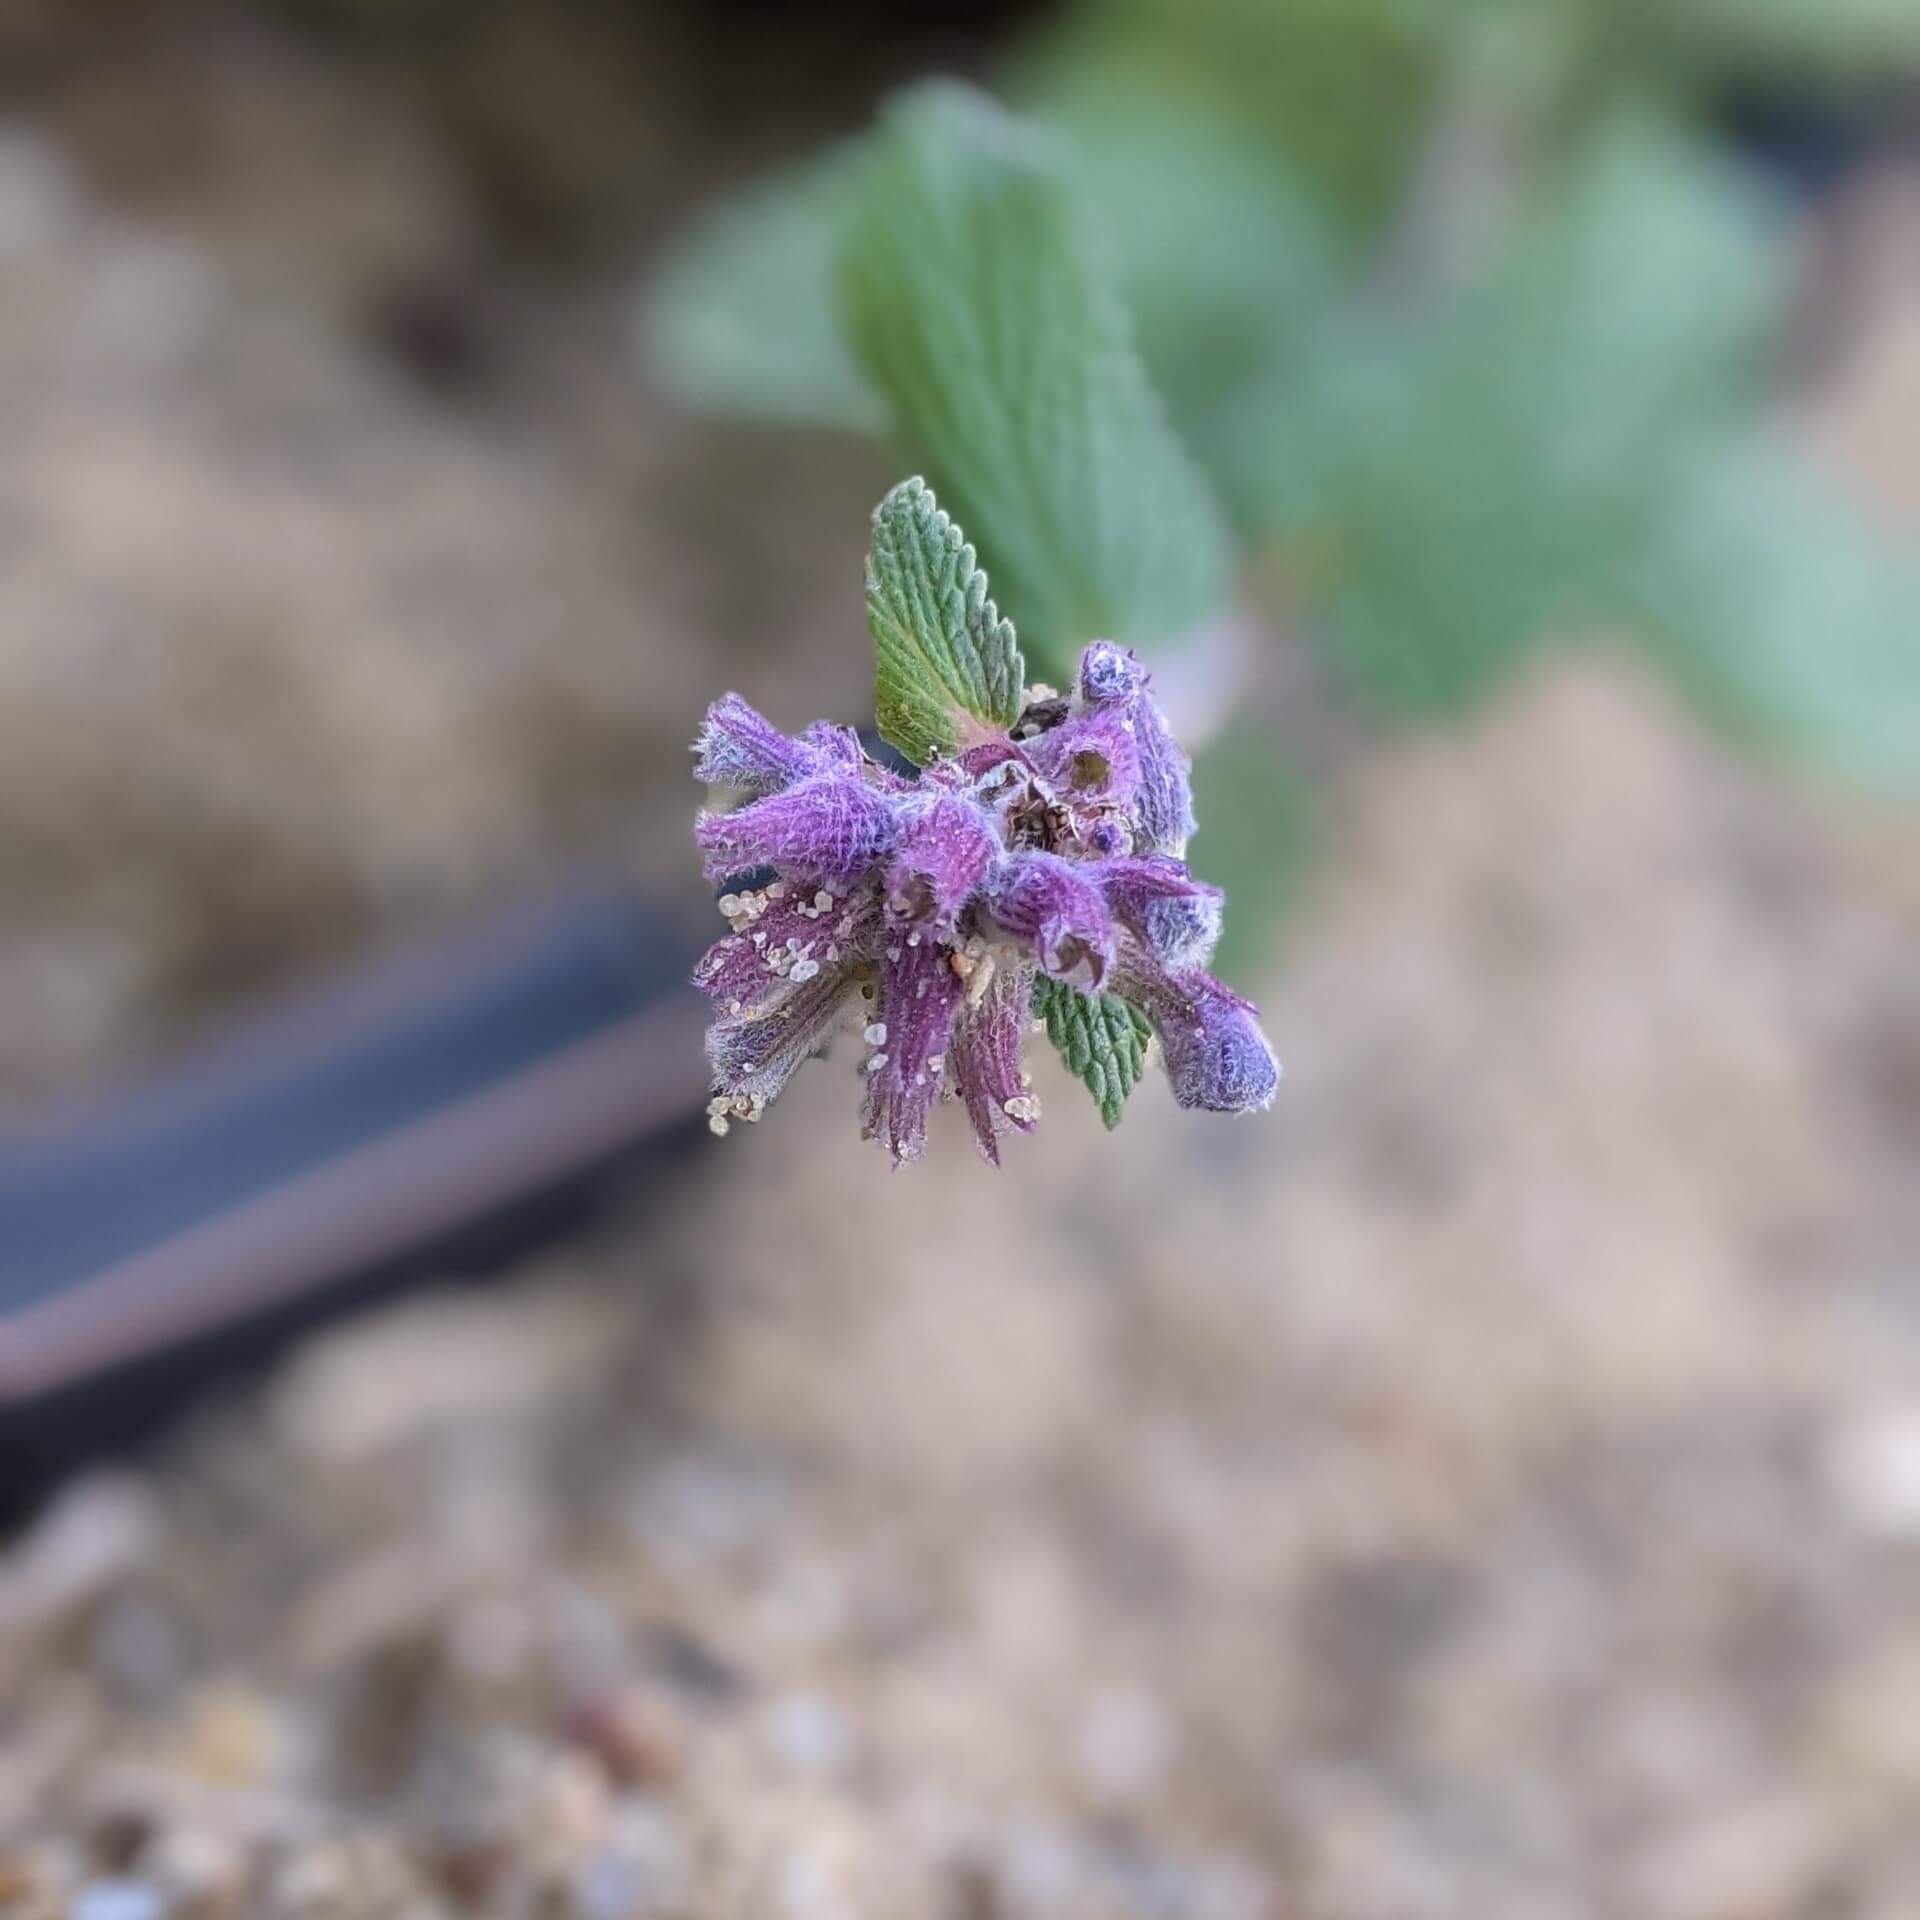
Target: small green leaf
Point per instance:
(942, 653)
(1102, 1038)
(975, 306)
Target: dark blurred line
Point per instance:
(439, 1114)
(369, 1205)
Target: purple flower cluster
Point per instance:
(926, 907)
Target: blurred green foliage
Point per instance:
(1470, 321)
(744, 320)
(976, 310)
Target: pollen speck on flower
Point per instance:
(725, 1108)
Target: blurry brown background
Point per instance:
(1487, 1486)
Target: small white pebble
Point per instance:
(118, 1900)
(1125, 1745)
(878, 1061)
(1872, 1461)
(823, 901)
(810, 1734)
(876, 1035)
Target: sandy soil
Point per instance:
(1489, 1486)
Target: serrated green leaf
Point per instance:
(975, 306)
(942, 654)
(741, 318)
(1102, 1038)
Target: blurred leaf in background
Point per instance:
(976, 307)
(1472, 482)
(1333, 94)
(741, 318)
(1781, 610)
(1470, 316)
(1257, 831)
(1226, 264)
(1798, 40)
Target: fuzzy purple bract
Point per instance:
(920, 911)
